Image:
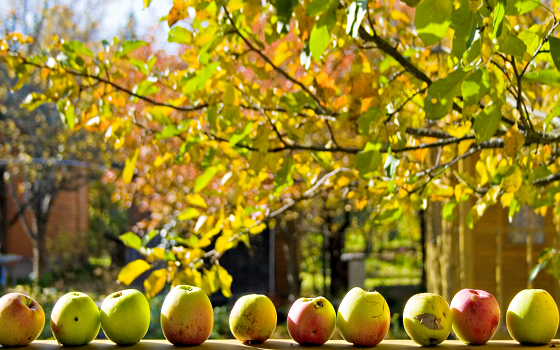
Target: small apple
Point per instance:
(21, 319)
(253, 318)
(311, 321)
(363, 317)
(475, 316)
(75, 319)
(187, 316)
(532, 317)
(427, 319)
(125, 316)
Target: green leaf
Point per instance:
(132, 270)
(439, 100)
(129, 46)
(355, 14)
(373, 114)
(369, 160)
(475, 86)
(284, 9)
(463, 22)
(499, 14)
(555, 50)
(179, 35)
(545, 76)
(70, 117)
(389, 215)
(391, 164)
(486, 123)
(188, 214)
(129, 166)
(203, 180)
(206, 73)
(34, 100)
(237, 137)
(168, 131)
(317, 7)
(320, 37)
(131, 240)
(555, 112)
(535, 271)
(520, 7)
(145, 88)
(514, 46)
(283, 177)
(432, 19)
(447, 212)
(77, 47)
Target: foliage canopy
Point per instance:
(271, 104)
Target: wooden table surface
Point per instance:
(232, 344)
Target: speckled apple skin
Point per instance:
(311, 321)
(422, 304)
(363, 317)
(476, 316)
(75, 319)
(21, 320)
(253, 318)
(187, 316)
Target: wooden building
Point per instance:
(496, 255)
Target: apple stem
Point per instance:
(319, 304)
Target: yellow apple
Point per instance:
(363, 317)
(532, 317)
(187, 316)
(125, 316)
(427, 319)
(21, 319)
(253, 318)
(75, 319)
(311, 321)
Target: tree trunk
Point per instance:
(290, 234)
(39, 258)
(339, 268)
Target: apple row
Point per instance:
(363, 318)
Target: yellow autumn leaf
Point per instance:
(129, 166)
(132, 270)
(225, 281)
(197, 200)
(513, 141)
(155, 283)
(512, 181)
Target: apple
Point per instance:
(21, 319)
(253, 318)
(125, 316)
(475, 316)
(363, 317)
(75, 319)
(311, 321)
(187, 316)
(427, 319)
(532, 317)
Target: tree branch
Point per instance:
(276, 68)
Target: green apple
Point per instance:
(532, 317)
(21, 319)
(187, 317)
(125, 316)
(427, 319)
(363, 317)
(253, 318)
(75, 319)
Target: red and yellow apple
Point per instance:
(363, 317)
(253, 318)
(125, 316)
(187, 316)
(475, 316)
(75, 319)
(311, 321)
(21, 319)
(427, 319)
(532, 317)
